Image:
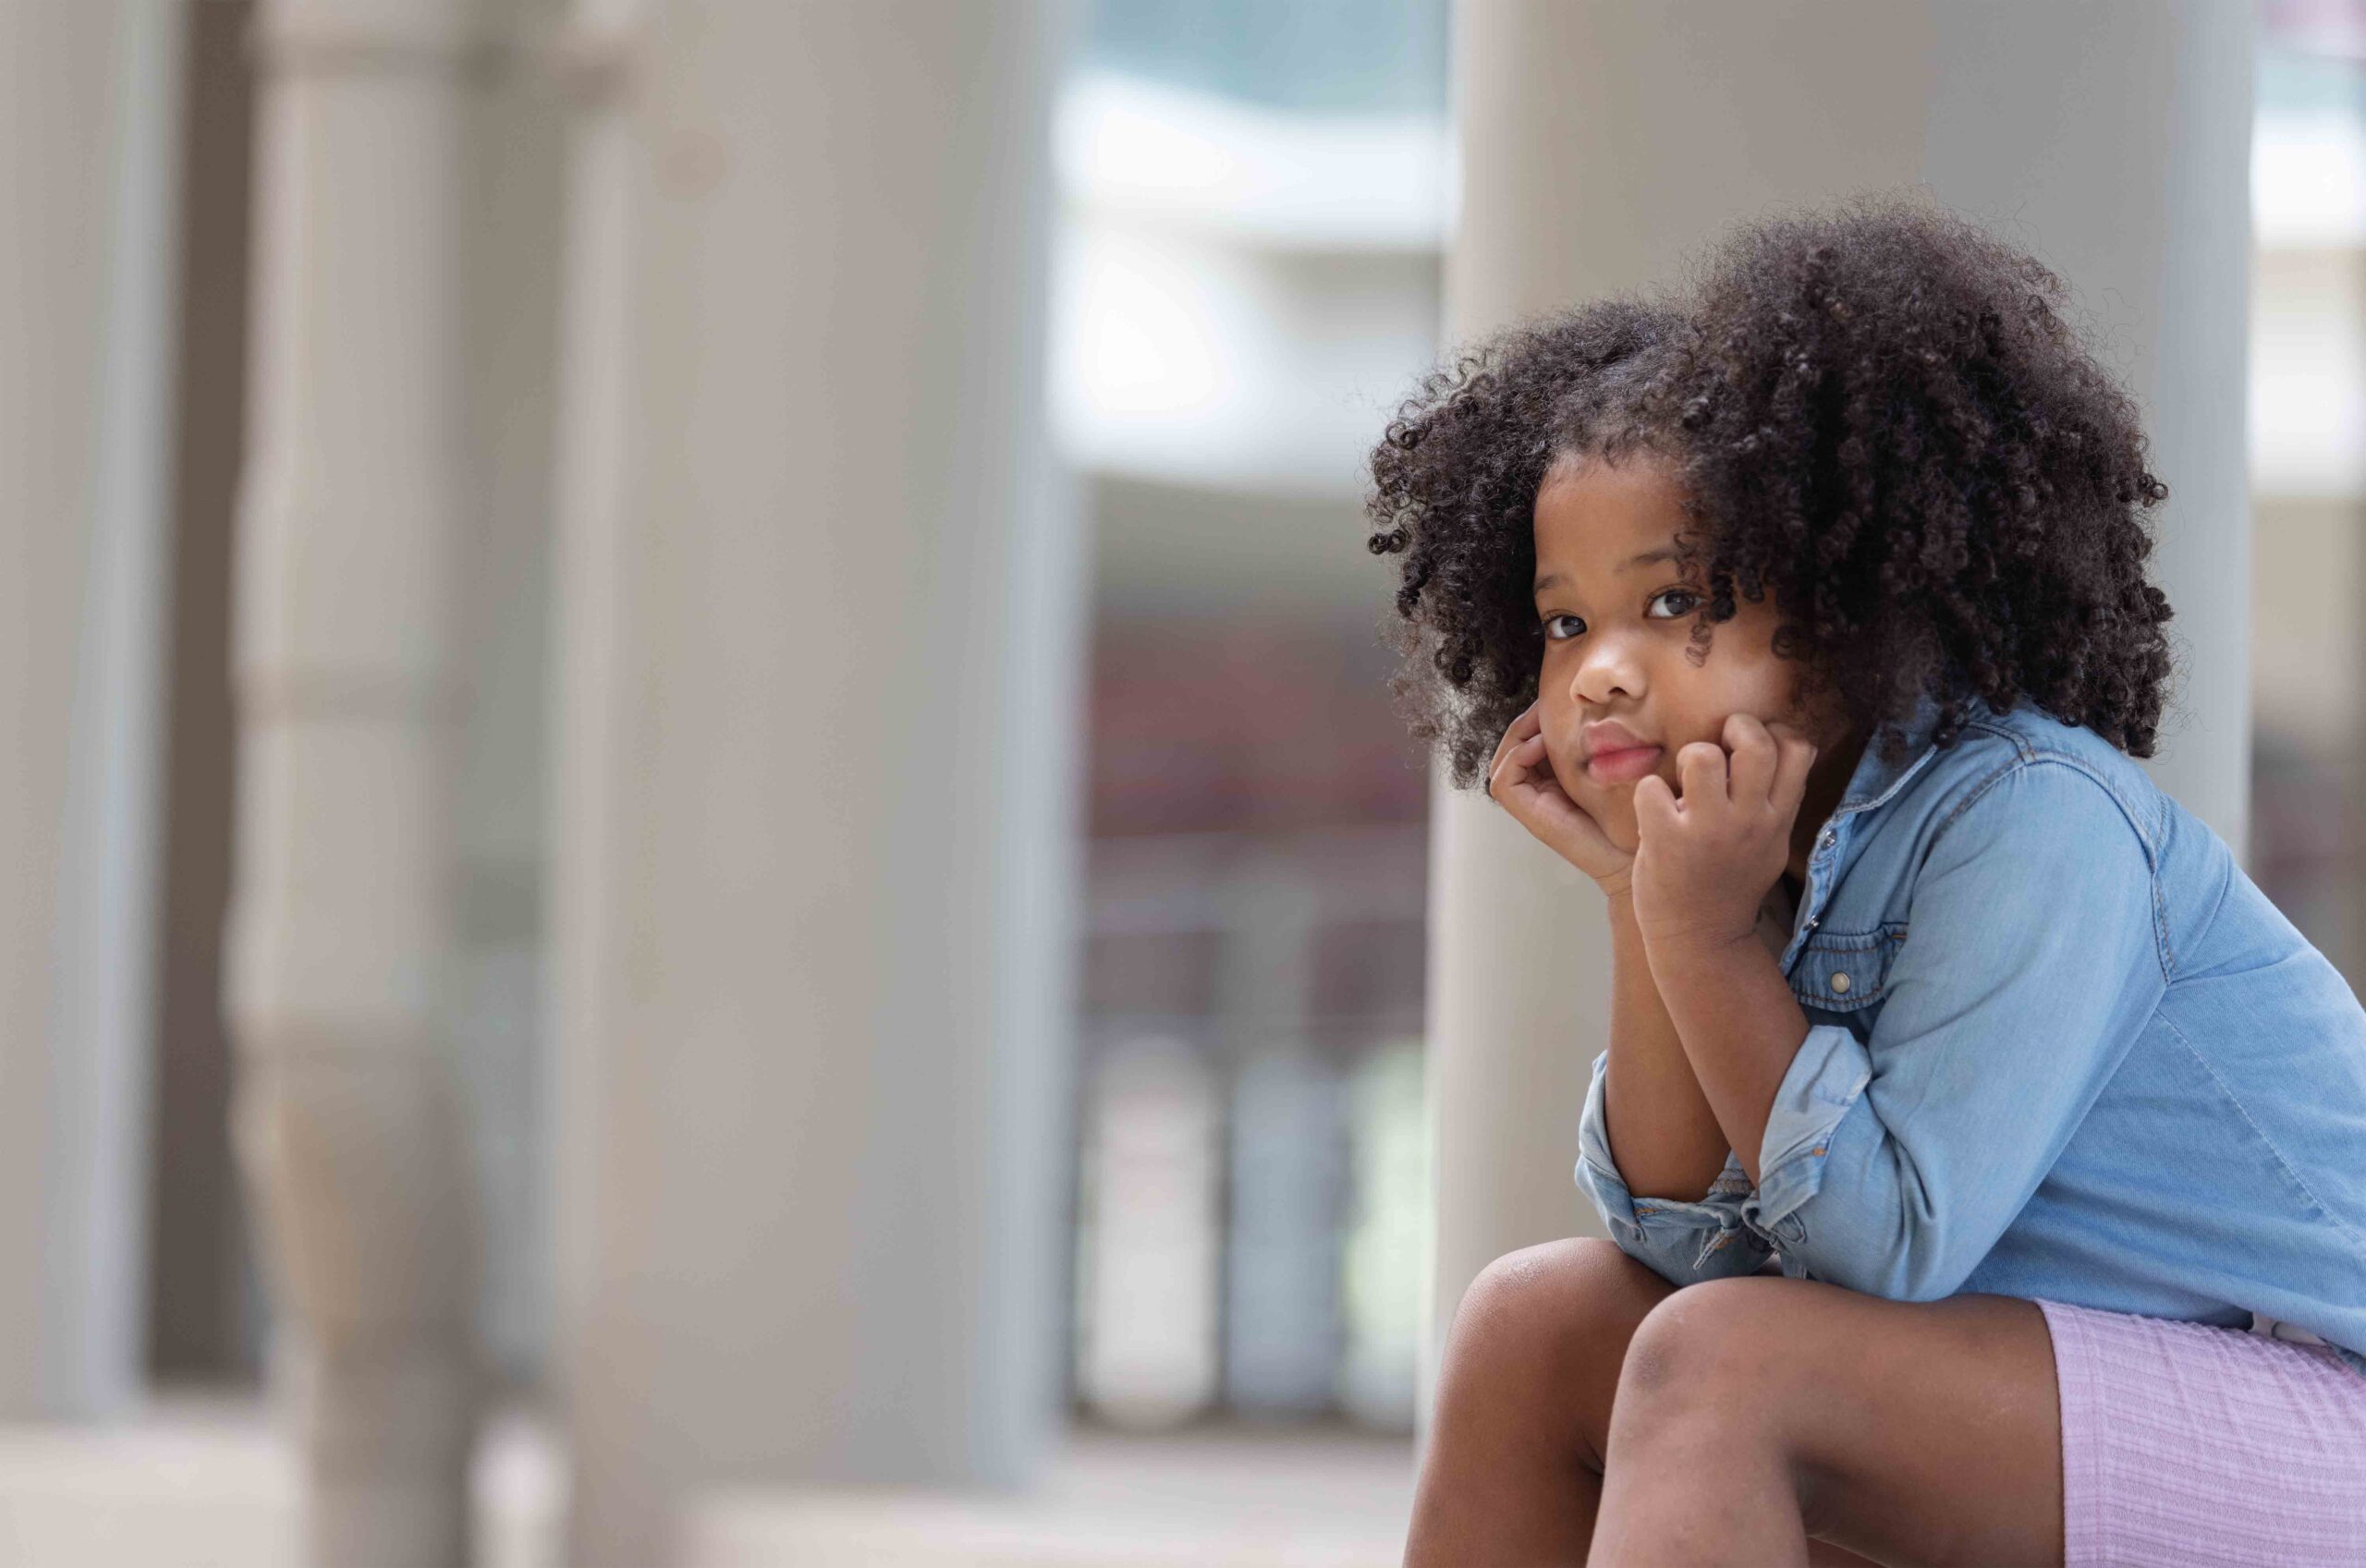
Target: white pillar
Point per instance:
(1601, 144)
(338, 960)
(89, 122)
(818, 636)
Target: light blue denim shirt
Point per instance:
(2058, 1045)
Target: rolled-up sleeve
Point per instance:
(1892, 1165)
(1683, 1243)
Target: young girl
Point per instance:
(1986, 1108)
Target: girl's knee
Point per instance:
(1580, 1296)
(1720, 1335)
(1535, 1356)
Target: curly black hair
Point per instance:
(1877, 409)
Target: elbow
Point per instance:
(1882, 1234)
(1911, 1267)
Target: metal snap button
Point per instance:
(1840, 980)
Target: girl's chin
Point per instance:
(1621, 789)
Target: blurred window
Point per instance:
(2308, 430)
(1252, 204)
(1305, 57)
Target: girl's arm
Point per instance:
(1671, 1197)
(1658, 1125)
(1670, 1131)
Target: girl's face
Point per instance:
(1618, 615)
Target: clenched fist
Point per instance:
(1704, 861)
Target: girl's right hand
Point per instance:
(1521, 781)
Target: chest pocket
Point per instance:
(1847, 972)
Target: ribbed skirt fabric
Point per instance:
(2189, 1446)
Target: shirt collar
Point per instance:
(1875, 780)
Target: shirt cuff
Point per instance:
(1825, 1079)
(1681, 1240)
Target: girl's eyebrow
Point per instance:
(1665, 553)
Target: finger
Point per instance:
(1751, 770)
(1539, 804)
(1654, 805)
(1525, 770)
(1530, 722)
(1795, 758)
(1522, 762)
(1544, 802)
(1701, 764)
(1515, 761)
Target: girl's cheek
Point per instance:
(1560, 744)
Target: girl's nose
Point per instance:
(1607, 672)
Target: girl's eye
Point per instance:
(1692, 602)
(1560, 628)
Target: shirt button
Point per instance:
(1825, 842)
(1840, 980)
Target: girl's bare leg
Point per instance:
(1754, 1413)
(1513, 1467)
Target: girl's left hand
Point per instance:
(1704, 864)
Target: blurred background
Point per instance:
(708, 860)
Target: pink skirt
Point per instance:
(2189, 1446)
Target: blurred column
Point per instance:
(89, 126)
(818, 624)
(338, 958)
(1601, 144)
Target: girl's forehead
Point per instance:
(1600, 508)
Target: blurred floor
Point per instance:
(1237, 1496)
(199, 1481)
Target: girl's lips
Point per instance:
(1618, 767)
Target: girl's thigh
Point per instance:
(1918, 1432)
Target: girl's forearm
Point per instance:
(1660, 1128)
(1740, 1027)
